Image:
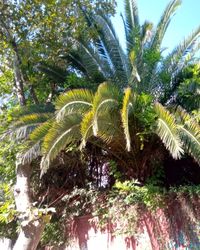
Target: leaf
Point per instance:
(26, 124)
(106, 97)
(189, 130)
(167, 130)
(164, 23)
(86, 128)
(58, 137)
(126, 106)
(73, 101)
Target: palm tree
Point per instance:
(133, 116)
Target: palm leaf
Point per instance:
(36, 137)
(189, 130)
(188, 46)
(88, 60)
(127, 105)
(131, 24)
(31, 154)
(86, 128)
(110, 128)
(40, 132)
(26, 124)
(106, 97)
(73, 101)
(54, 72)
(111, 45)
(163, 23)
(58, 137)
(167, 130)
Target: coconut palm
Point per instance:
(133, 116)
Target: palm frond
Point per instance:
(40, 132)
(31, 154)
(163, 23)
(54, 72)
(131, 14)
(126, 106)
(26, 124)
(189, 130)
(106, 97)
(167, 130)
(131, 24)
(89, 61)
(86, 128)
(186, 49)
(35, 139)
(110, 128)
(58, 137)
(113, 49)
(73, 101)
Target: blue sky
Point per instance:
(186, 20)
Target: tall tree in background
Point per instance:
(38, 31)
(32, 32)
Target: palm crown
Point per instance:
(135, 108)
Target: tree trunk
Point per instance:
(31, 227)
(19, 82)
(33, 94)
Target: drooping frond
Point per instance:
(40, 132)
(163, 23)
(73, 101)
(189, 130)
(126, 106)
(167, 130)
(86, 128)
(175, 61)
(35, 139)
(58, 137)
(88, 60)
(31, 154)
(26, 124)
(55, 73)
(106, 97)
(110, 129)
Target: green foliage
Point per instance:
(7, 205)
(8, 223)
(168, 132)
(189, 88)
(190, 191)
(114, 171)
(133, 193)
(54, 234)
(6, 82)
(127, 127)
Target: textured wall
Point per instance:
(175, 229)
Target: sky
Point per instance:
(186, 19)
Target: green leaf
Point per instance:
(126, 106)
(167, 130)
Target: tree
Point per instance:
(129, 116)
(148, 108)
(31, 36)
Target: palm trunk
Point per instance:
(31, 229)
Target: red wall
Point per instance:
(172, 229)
